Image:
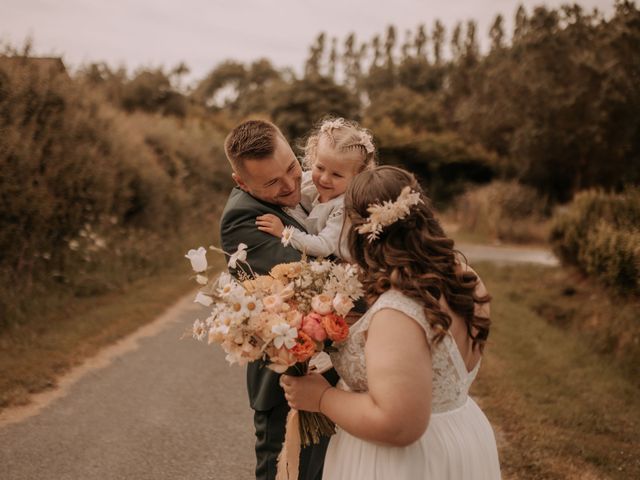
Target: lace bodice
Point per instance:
(451, 380)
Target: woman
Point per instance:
(402, 407)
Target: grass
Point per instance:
(561, 407)
(33, 354)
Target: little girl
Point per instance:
(335, 153)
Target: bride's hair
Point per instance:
(412, 255)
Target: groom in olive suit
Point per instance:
(268, 177)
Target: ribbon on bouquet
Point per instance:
(289, 458)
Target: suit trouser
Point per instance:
(270, 429)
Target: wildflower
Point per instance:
(203, 299)
(198, 259)
(287, 235)
(285, 335)
(199, 330)
(239, 256)
(273, 303)
(342, 304)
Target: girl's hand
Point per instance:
(304, 393)
(269, 223)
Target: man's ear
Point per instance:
(239, 182)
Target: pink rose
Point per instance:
(312, 326)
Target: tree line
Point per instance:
(552, 103)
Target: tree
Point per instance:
(420, 41)
(519, 24)
(304, 102)
(497, 34)
(438, 37)
(313, 67)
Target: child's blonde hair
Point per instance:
(344, 136)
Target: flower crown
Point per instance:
(364, 138)
(388, 213)
(330, 125)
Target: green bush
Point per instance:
(444, 163)
(600, 234)
(92, 197)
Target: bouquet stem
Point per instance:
(313, 425)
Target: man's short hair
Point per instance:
(253, 139)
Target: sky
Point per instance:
(202, 33)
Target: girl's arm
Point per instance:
(397, 407)
(323, 244)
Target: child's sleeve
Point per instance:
(323, 244)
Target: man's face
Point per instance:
(275, 179)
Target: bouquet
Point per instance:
(284, 318)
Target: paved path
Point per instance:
(153, 407)
(507, 254)
(157, 408)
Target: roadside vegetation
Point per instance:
(559, 379)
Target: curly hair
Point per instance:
(413, 255)
(345, 136)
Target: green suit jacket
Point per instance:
(264, 251)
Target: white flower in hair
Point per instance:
(388, 213)
(365, 141)
(330, 125)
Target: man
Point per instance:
(268, 178)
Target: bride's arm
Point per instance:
(397, 407)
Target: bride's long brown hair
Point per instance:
(412, 255)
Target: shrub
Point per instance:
(92, 197)
(505, 211)
(600, 234)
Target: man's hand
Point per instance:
(270, 224)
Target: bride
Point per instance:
(402, 407)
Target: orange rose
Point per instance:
(304, 348)
(336, 327)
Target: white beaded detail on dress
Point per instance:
(451, 381)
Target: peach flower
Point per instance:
(342, 304)
(336, 327)
(281, 359)
(273, 303)
(304, 348)
(322, 304)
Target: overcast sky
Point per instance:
(150, 33)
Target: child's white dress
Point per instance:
(323, 224)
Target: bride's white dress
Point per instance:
(459, 442)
